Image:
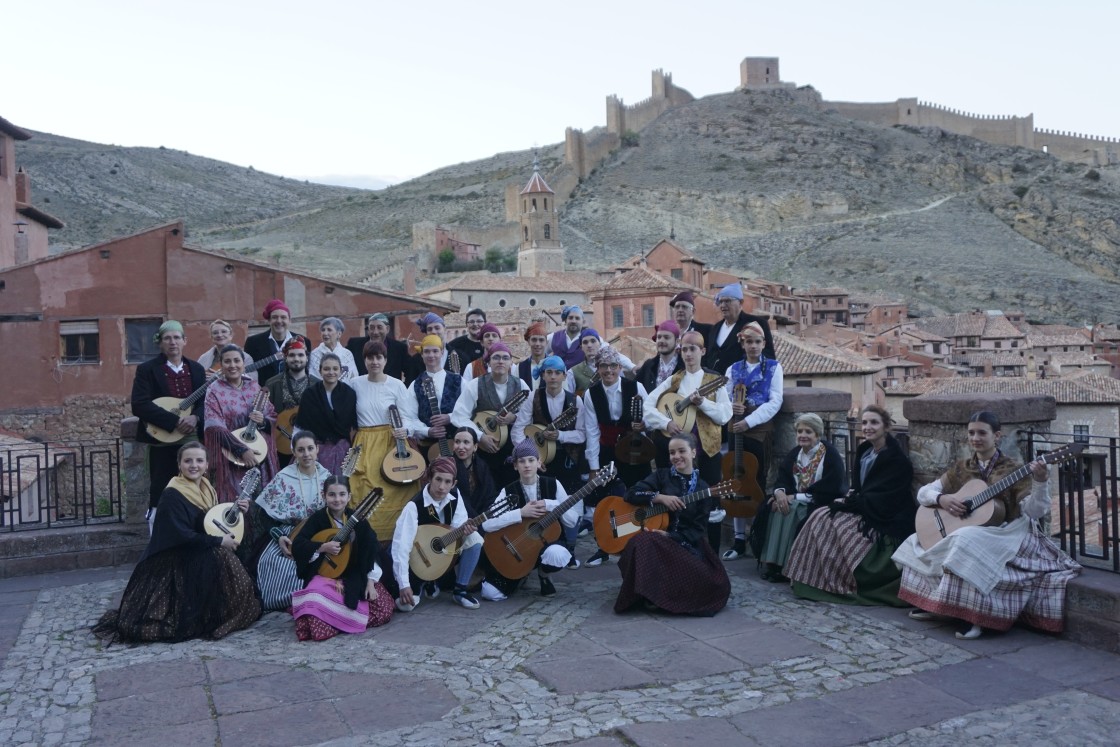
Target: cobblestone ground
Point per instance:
(770, 669)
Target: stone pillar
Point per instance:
(938, 426)
(830, 404)
(134, 473)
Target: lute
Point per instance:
(402, 465)
(547, 446)
(226, 519)
(250, 436)
(435, 546)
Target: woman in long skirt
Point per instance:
(675, 570)
(187, 584)
(356, 600)
(329, 409)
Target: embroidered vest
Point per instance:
(969, 469)
(432, 515)
(516, 491)
(452, 386)
(757, 382)
(488, 398)
(541, 415)
(709, 431)
(571, 353)
(610, 429)
(582, 373)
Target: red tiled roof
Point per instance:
(643, 278)
(999, 326)
(1053, 341)
(807, 357)
(537, 184)
(1089, 389)
(549, 282)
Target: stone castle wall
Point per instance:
(81, 418)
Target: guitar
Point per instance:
(742, 466)
(249, 436)
(514, 550)
(635, 447)
(616, 521)
(442, 446)
(333, 566)
(680, 410)
(487, 420)
(349, 464)
(182, 407)
(547, 446)
(226, 518)
(285, 429)
(401, 465)
(435, 546)
(932, 524)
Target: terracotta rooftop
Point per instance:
(924, 334)
(820, 292)
(1000, 326)
(1089, 389)
(537, 184)
(1056, 329)
(636, 259)
(549, 282)
(995, 357)
(1106, 333)
(1076, 359)
(1055, 341)
(956, 325)
(806, 357)
(643, 278)
(504, 316)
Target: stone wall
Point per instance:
(830, 404)
(81, 418)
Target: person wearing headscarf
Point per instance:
(378, 329)
(529, 370)
(169, 374)
(722, 342)
(425, 420)
(432, 323)
(438, 502)
(330, 330)
(684, 307)
(667, 362)
(532, 495)
(270, 342)
(489, 334)
(584, 374)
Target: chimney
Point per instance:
(23, 186)
(410, 276)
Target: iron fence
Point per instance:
(45, 485)
(1084, 519)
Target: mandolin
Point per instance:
(487, 420)
(349, 464)
(285, 429)
(401, 465)
(546, 446)
(333, 566)
(634, 447)
(183, 407)
(514, 550)
(250, 435)
(680, 410)
(226, 519)
(932, 524)
(442, 446)
(742, 467)
(616, 521)
(435, 546)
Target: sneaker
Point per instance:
(597, 559)
(737, 550)
(408, 607)
(547, 587)
(572, 564)
(465, 600)
(490, 592)
(715, 517)
(431, 590)
(585, 526)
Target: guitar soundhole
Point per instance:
(437, 545)
(535, 531)
(640, 515)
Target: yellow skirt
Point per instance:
(376, 442)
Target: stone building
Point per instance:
(540, 251)
(807, 363)
(23, 227)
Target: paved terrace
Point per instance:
(768, 670)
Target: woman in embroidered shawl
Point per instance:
(811, 476)
(229, 406)
(843, 553)
(989, 576)
(754, 386)
(329, 409)
(675, 570)
(293, 495)
(356, 600)
(187, 584)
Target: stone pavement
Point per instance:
(768, 670)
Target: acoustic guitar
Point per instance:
(402, 465)
(487, 420)
(226, 519)
(250, 436)
(742, 467)
(616, 521)
(285, 429)
(333, 566)
(680, 410)
(183, 407)
(933, 524)
(634, 447)
(442, 446)
(546, 446)
(435, 546)
(514, 550)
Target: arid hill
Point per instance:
(760, 181)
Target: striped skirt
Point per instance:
(320, 613)
(276, 576)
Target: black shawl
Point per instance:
(885, 502)
(328, 424)
(690, 523)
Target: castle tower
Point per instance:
(540, 249)
(759, 72)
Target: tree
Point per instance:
(446, 259)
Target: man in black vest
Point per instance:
(285, 389)
(608, 407)
(722, 342)
(169, 374)
(267, 343)
(417, 411)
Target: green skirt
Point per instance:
(877, 581)
(780, 533)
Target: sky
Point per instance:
(355, 91)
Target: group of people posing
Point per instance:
(479, 472)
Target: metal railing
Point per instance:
(1085, 517)
(46, 485)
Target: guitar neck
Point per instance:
(687, 500)
(258, 407)
(993, 490)
(188, 404)
(554, 515)
(461, 530)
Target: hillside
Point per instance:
(764, 182)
